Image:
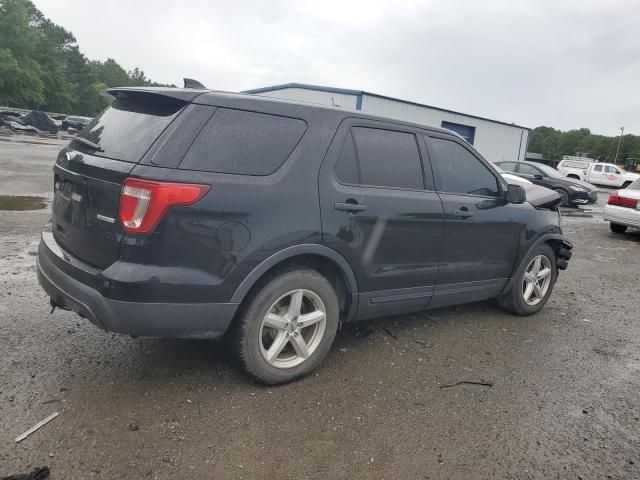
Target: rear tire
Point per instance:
(533, 284)
(565, 197)
(286, 327)
(616, 228)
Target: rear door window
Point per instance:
(597, 168)
(388, 158)
(508, 166)
(529, 170)
(244, 143)
(459, 171)
(126, 129)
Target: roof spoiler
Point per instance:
(177, 93)
(191, 83)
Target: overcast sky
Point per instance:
(562, 63)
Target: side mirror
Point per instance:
(516, 194)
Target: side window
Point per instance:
(529, 170)
(244, 143)
(388, 158)
(597, 168)
(347, 166)
(461, 172)
(610, 169)
(508, 166)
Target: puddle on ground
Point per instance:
(17, 203)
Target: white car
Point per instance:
(597, 173)
(623, 208)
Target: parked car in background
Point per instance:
(623, 208)
(274, 222)
(573, 192)
(597, 173)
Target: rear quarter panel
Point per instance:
(210, 247)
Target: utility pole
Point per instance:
(619, 142)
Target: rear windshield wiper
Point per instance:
(88, 143)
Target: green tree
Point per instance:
(41, 66)
(110, 73)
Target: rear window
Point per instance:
(244, 143)
(126, 129)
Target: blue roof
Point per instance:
(359, 93)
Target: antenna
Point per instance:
(191, 83)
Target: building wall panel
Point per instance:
(494, 141)
(314, 96)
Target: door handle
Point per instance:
(350, 206)
(463, 213)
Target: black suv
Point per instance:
(190, 213)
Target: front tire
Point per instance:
(565, 197)
(533, 284)
(616, 228)
(286, 327)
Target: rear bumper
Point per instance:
(184, 320)
(629, 217)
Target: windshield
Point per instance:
(548, 171)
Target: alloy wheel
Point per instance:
(537, 279)
(292, 329)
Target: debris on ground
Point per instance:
(37, 426)
(38, 474)
(467, 382)
(41, 121)
(360, 333)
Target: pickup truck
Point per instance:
(598, 173)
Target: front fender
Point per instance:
(561, 246)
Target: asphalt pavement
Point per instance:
(564, 399)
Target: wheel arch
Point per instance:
(558, 243)
(323, 259)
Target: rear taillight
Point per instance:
(615, 199)
(144, 202)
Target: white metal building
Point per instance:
(493, 139)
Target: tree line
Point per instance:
(553, 144)
(42, 68)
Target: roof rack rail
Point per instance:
(191, 83)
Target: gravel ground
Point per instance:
(564, 401)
